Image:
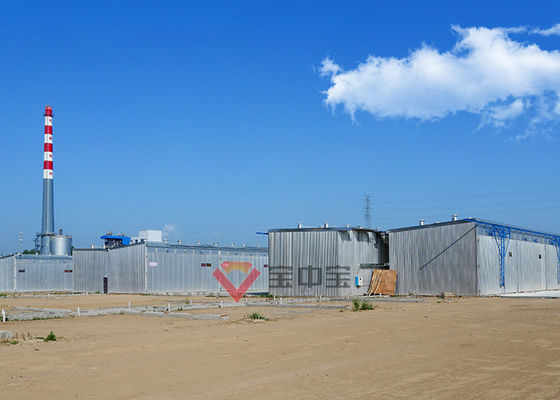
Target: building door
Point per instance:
(105, 285)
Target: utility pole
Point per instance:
(367, 211)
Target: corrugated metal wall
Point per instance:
(90, 266)
(36, 273)
(127, 269)
(357, 248)
(298, 262)
(434, 259)
(552, 267)
(7, 267)
(159, 268)
(321, 262)
(525, 271)
(188, 269)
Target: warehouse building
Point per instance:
(162, 268)
(473, 257)
(466, 257)
(36, 273)
(326, 261)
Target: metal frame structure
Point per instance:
(502, 234)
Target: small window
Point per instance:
(540, 256)
(67, 270)
(21, 270)
(266, 265)
(510, 253)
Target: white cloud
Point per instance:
(502, 113)
(555, 30)
(486, 73)
(329, 68)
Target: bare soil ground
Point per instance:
(465, 348)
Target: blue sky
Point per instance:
(215, 119)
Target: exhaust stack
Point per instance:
(48, 242)
(47, 226)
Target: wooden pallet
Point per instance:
(383, 281)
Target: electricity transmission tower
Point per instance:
(367, 211)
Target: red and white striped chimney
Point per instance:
(48, 156)
(47, 226)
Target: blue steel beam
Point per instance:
(502, 236)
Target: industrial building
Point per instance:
(140, 264)
(324, 261)
(473, 257)
(34, 273)
(162, 268)
(51, 270)
(465, 257)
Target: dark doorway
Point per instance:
(105, 285)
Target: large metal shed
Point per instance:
(473, 257)
(324, 261)
(36, 273)
(92, 268)
(151, 267)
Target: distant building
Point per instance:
(473, 257)
(151, 267)
(111, 241)
(466, 257)
(325, 261)
(148, 235)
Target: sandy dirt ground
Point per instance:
(465, 348)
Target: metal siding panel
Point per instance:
(257, 260)
(7, 274)
(90, 266)
(402, 258)
(511, 284)
(280, 264)
(524, 270)
(435, 259)
(126, 269)
(530, 270)
(361, 248)
(313, 259)
(489, 266)
(315, 250)
(179, 269)
(43, 273)
(551, 267)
